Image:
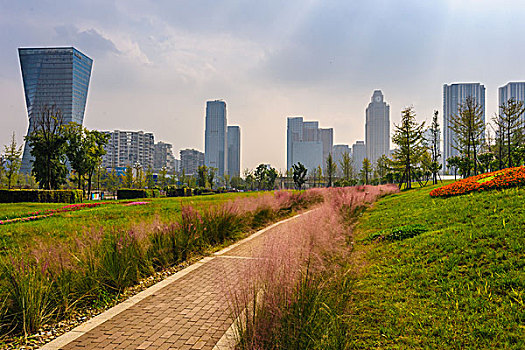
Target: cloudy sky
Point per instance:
(156, 63)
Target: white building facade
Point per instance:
(377, 128)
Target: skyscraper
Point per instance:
(215, 143)
(512, 90)
(358, 155)
(234, 151)
(453, 96)
(56, 76)
(307, 143)
(377, 134)
(190, 161)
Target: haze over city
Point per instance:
(157, 63)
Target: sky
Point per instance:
(156, 63)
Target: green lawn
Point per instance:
(68, 224)
(459, 285)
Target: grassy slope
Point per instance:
(65, 225)
(459, 285)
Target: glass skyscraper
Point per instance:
(54, 77)
(234, 151)
(215, 143)
(455, 95)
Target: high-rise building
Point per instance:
(59, 77)
(453, 96)
(215, 143)
(234, 151)
(163, 157)
(358, 155)
(127, 148)
(514, 90)
(190, 161)
(377, 135)
(307, 143)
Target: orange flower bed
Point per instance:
(510, 177)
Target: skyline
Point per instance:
(156, 64)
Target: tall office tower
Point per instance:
(127, 148)
(59, 77)
(306, 143)
(327, 139)
(234, 151)
(453, 96)
(512, 90)
(358, 155)
(377, 135)
(337, 155)
(163, 157)
(190, 161)
(216, 142)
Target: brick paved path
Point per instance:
(188, 312)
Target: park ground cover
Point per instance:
(54, 268)
(415, 272)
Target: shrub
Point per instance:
(399, 233)
(41, 196)
(128, 193)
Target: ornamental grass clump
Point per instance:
(298, 285)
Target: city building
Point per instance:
(190, 161)
(54, 76)
(127, 148)
(514, 90)
(215, 139)
(234, 151)
(163, 157)
(307, 143)
(358, 155)
(377, 128)
(453, 96)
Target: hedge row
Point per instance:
(41, 196)
(128, 193)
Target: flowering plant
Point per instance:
(505, 178)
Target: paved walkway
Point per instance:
(188, 310)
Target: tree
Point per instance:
(12, 160)
(47, 143)
(408, 136)
(382, 167)
(510, 125)
(163, 177)
(202, 176)
(211, 176)
(150, 181)
(331, 168)
(454, 162)
(346, 166)
(271, 176)
(139, 178)
(469, 129)
(128, 177)
(299, 175)
(366, 170)
(433, 143)
(260, 176)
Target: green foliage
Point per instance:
(366, 170)
(408, 136)
(130, 193)
(510, 131)
(41, 196)
(331, 168)
(265, 176)
(12, 161)
(299, 174)
(399, 233)
(48, 145)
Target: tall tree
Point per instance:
(346, 167)
(12, 160)
(48, 143)
(331, 168)
(408, 136)
(469, 128)
(382, 167)
(163, 176)
(271, 176)
(433, 143)
(260, 176)
(202, 176)
(510, 125)
(366, 170)
(128, 177)
(299, 175)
